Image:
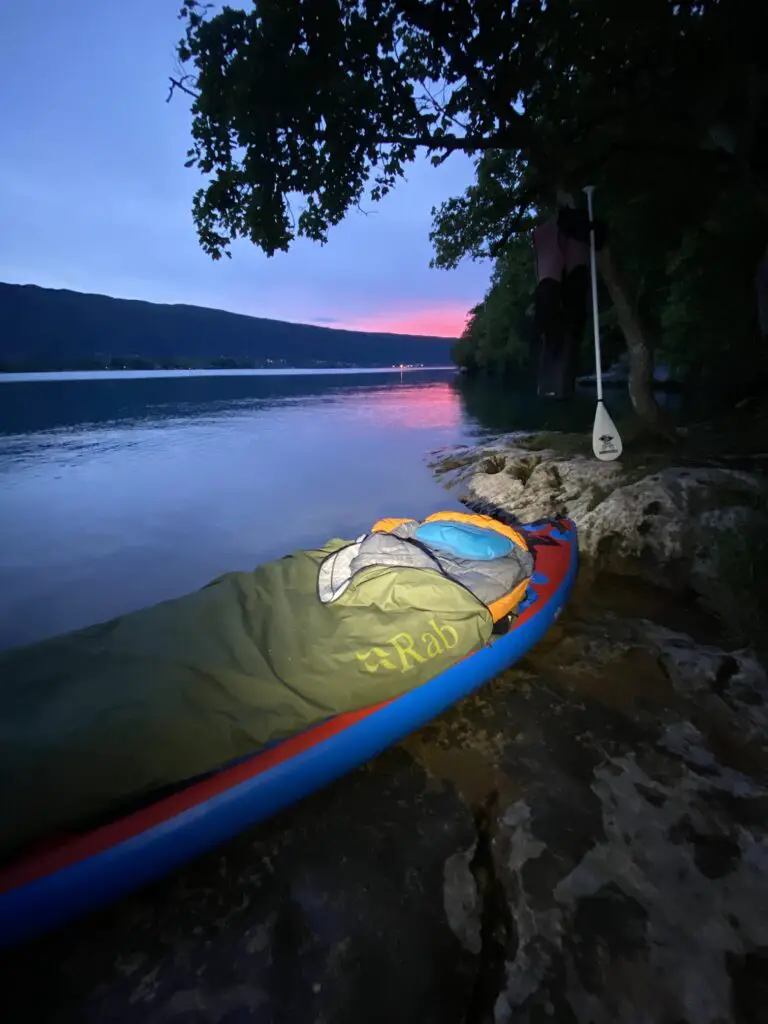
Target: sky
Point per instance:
(94, 195)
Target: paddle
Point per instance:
(606, 443)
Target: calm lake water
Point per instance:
(118, 490)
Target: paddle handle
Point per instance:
(589, 189)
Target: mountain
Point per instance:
(57, 329)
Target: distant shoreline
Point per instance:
(13, 375)
(49, 330)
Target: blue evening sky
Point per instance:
(94, 195)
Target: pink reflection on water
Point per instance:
(436, 406)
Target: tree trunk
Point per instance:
(638, 344)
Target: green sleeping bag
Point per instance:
(158, 696)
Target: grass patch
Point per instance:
(493, 464)
(636, 436)
(566, 444)
(742, 430)
(523, 470)
(450, 464)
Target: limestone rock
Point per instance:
(732, 683)
(634, 859)
(461, 901)
(679, 527)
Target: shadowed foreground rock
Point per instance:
(331, 913)
(634, 861)
(585, 841)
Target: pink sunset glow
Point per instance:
(436, 406)
(443, 322)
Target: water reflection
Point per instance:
(51, 401)
(493, 407)
(417, 399)
(117, 493)
(120, 492)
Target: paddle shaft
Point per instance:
(593, 275)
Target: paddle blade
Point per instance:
(606, 442)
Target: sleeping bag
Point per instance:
(159, 696)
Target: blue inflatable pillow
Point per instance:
(464, 540)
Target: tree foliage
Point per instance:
(497, 337)
(682, 182)
(321, 99)
(707, 311)
(689, 248)
(303, 110)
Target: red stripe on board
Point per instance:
(71, 850)
(551, 561)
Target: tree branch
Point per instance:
(179, 84)
(452, 143)
(441, 107)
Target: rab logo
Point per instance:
(403, 652)
(375, 659)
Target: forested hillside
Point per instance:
(47, 329)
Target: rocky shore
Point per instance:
(699, 531)
(585, 841)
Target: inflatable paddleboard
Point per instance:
(78, 873)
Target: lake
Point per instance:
(120, 489)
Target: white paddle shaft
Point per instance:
(593, 275)
(606, 443)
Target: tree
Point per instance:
(322, 102)
(319, 98)
(708, 314)
(465, 349)
(688, 245)
(498, 333)
(663, 169)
